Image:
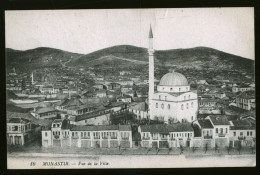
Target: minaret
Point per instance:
(32, 79)
(151, 68)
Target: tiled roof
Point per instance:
(140, 107)
(157, 128)
(57, 121)
(242, 125)
(205, 124)
(101, 128)
(180, 127)
(219, 119)
(165, 129)
(125, 128)
(44, 110)
(18, 120)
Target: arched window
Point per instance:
(192, 104)
(156, 105)
(184, 97)
(187, 105)
(192, 118)
(162, 105)
(159, 97)
(179, 89)
(182, 106)
(169, 106)
(171, 89)
(189, 96)
(165, 97)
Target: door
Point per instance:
(154, 145)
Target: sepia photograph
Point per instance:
(130, 88)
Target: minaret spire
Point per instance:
(151, 70)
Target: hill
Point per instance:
(123, 55)
(38, 57)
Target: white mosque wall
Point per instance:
(175, 89)
(177, 108)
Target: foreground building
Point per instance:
(63, 134)
(165, 136)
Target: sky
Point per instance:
(83, 31)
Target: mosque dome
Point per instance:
(173, 79)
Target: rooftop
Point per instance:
(219, 119)
(102, 128)
(205, 124)
(18, 120)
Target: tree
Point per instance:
(206, 148)
(181, 148)
(229, 148)
(239, 148)
(193, 149)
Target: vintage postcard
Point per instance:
(132, 88)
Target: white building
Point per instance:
(63, 134)
(173, 101)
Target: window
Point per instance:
(165, 98)
(241, 133)
(251, 133)
(191, 117)
(187, 105)
(179, 89)
(46, 134)
(247, 133)
(184, 97)
(234, 133)
(156, 105)
(192, 104)
(182, 107)
(162, 105)
(216, 130)
(169, 106)
(159, 97)
(226, 130)
(221, 130)
(189, 95)
(171, 89)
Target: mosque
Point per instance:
(173, 101)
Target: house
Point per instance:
(99, 86)
(18, 131)
(208, 106)
(220, 94)
(101, 93)
(63, 134)
(242, 132)
(140, 110)
(124, 98)
(43, 113)
(125, 82)
(245, 101)
(166, 135)
(204, 82)
(242, 88)
(113, 86)
(206, 130)
(126, 88)
(221, 125)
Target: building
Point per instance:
(206, 131)
(125, 99)
(18, 131)
(242, 132)
(43, 113)
(140, 110)
(208, 106)
(236, 89)
(63, 134)
(166, 135)
(113, 86)
(173, 101)
(245, 101)
(221, 129)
